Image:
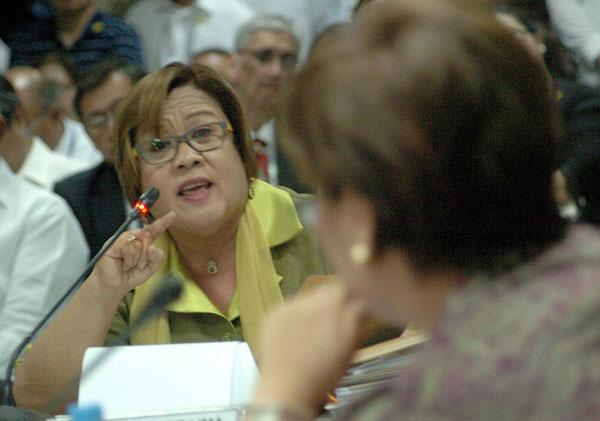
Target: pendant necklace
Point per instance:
(211, 267)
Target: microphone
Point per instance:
(145, 202)
(141, 207)
(167, 292)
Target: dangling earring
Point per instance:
(251, 189)
(360, 253)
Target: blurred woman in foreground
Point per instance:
(431, 132)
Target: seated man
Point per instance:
(27, 155)
(267, 49)
(43, 248)
(40, 98)
(96, 196)
(79, 28)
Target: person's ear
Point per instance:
(233, 69)
(362, 227)
(235, 60)
(349, 221)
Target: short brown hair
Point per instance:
(437, 115)
(142, 110)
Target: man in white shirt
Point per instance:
(577, 23)
(173, 30)
(27, 155)
(45, 118)
(43, 251)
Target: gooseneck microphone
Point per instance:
(141, 207)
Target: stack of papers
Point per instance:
(375, 365)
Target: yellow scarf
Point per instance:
(268, 220)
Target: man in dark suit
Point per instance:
(96, 196)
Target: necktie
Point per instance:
(262, 160)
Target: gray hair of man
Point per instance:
(266, 22)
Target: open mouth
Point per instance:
(195, 188)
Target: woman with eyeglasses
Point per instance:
(237, 242)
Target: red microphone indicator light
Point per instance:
(142, 208)
(146, 200)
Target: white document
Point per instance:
(161, 378)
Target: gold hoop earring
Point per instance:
(251, 189)
(360, 253)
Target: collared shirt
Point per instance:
(44, 167)
(43, 253)
(104, 35)
(171, 32)
(266, 134)
(76, 143)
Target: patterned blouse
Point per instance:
(523, 346)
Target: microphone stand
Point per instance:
(141, 207)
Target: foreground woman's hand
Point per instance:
(132, 259)
(306, 348)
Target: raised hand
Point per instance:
(132, 259)
(306, 347)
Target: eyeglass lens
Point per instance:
(201, 138)
(287, 59)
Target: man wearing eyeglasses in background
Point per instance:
(96, 196)
(25, 152)
(267, 49)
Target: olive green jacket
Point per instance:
(294, 260)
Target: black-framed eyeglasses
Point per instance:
(204, 138)
(288, 60)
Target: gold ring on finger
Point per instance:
(130, 238)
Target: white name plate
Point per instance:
(204, 414)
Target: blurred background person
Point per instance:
(79, 29)
(267, 50)
(4, 57)
(43, 249)
(26, 154)
(310, 17)
(220, 60)
(578, 25)
(578, 178)
(172, 30)
(437, 206)
(40, 99)
(59, 68)
(96, 196)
